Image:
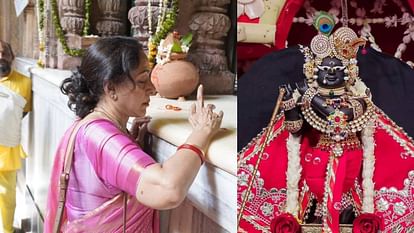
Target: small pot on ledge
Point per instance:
(176, 77)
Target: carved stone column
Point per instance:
(112, 20)
(210, 25)
(138, 16)
(72, 16)
(72, 19)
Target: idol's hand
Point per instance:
(203, 117)
(288, 91)
(302, 87)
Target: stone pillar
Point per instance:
(29, 37)
(138, 16)
(72, 16)
(112, 20)
(210, 25)
(51, 43)
(72, 19)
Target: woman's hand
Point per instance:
(140, 128)
(203, 117)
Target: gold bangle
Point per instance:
(357, 108)
(293, 126)
(289, 104)
(308, 96)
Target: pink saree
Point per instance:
(106, 164)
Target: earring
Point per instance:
(346, 78)
(114, 97)
(324, 81)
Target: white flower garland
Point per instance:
(368, 168)
(41, 22)
(293, 174)
(294, 171)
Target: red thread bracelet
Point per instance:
(195, 149)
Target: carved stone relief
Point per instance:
(138, 16)
(210, 25)
(72, 16)
(112, 19)
(108, 20)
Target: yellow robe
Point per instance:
(10, 157)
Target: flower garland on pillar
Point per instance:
(58, 29)
(41, 24)
(166, 21)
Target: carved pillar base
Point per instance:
(65, 61)
(213, 69)
(221, 84)
(112, 20)
(210, 25)
(138, 16)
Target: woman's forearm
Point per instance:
(174, 177)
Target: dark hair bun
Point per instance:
(109, 61)
(81, 100)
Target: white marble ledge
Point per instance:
(53, 76)
(173, 126)
(28, 67)
(23, 65)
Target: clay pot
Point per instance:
(174, 79)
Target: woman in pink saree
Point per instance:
(109, 170)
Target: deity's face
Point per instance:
(331, 73)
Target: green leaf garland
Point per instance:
(59, 30)
(165, 28)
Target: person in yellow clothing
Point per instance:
(15, 101)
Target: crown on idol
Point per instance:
(342, 44)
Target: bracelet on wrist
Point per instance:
(293, 126)
(289, 104)
(309, 94)
(195, 149)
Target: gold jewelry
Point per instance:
(350, 143)
(324, 126)
(114, 97)
(293, 126)
(357, 108)
(342, 44)
(320, 46)
(308, 96)
(289, 104)
(331, 92)
(309, 65)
